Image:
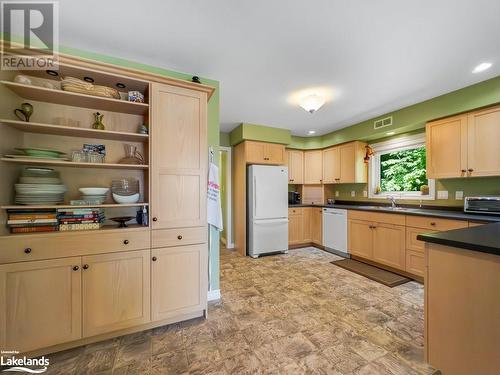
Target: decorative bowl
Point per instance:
(134, 198)
(93, 190)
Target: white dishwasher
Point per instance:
(335, 231)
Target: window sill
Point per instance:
(399, 196)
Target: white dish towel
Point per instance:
(214, 213)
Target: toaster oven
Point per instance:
(484, 205)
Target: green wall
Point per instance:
(213, 127)
(260, 133)
(224, 139)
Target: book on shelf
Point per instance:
(29, 216)
(31, 221)
(75, 227)
(47, 228)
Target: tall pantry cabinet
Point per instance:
(179, 158)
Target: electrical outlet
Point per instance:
(353, 193)
(337, 194)
(459, 195)
(442, 194)
(365, 194)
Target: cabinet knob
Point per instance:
(85, 266)
(179, 237)
(155, 219)
(463, 170)
(125, 242)
(433, 223)
(76, 268)
(27, 250)
(470, 170)
(154, 259)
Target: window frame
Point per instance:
(393, 145)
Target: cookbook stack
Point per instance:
(71, 219)
(29, 221)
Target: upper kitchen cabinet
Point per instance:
(179, 157)
(465, 145)
(295, 160)
(446, 147)
(264, 153)
(313, 167)
(331, 165)
(483, 134)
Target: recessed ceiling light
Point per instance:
(390, 133)
(311, 132)
(482, 67)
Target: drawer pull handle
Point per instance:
(76, 268)
(470, 170)
(155, 219)
(179, 237)
(126, 242)
(433, 223)
(85, 266)
(154, 259)
(27, 250)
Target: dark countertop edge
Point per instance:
(445, 213)
(484, 239)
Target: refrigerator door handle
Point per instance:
(254, 195)
(273, 221)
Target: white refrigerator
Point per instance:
(267, 192)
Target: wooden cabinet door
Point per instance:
(483, 149)
(313, 167)
(306, 224)
(274, 153)
(348, 163)
(255, 152)
(179, 281)
(389, 245)
(446, 147)
(317, 225)
(116, 291)
(40, 303)
(360, 238)
(295, 166)
(415, 263)
(331, 165)
(295, 226)
(178, 157)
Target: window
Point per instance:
(397, 169)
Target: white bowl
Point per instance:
(93, 190)
(134, 198)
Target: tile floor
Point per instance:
(283, 314)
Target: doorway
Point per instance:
(226, 235)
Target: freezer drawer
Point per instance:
(268, 236)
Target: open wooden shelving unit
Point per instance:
(54, 96)
(64, 163)
(55, 206)
(40, 128)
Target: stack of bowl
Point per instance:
(39, 186)
(125, 190)
(94, 195)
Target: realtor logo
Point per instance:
(30, 33)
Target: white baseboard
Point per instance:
(213, 295)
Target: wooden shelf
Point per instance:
(108, 227)
(57, 163)
(54, 206)
(43, 94)
(36, 127)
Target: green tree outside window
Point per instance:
(403, 170)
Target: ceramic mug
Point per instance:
(24, 113)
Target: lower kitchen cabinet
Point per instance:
(316, 225)
(360, 240)
(415, 263)
(116, 291)
(389, 245)
(40, 303)
(304, 225)
(307, 224)
(177, 285)
(296, 225)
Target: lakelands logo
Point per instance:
(23, 364)
(30, 35)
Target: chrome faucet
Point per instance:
(393, 201)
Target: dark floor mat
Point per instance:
(377, 274)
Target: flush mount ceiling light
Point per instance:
(311, 132)
(482, 67)
(311, 103)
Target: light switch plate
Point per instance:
(337, 194)
(353, 193)
(365, 194)
(459, 195)
(442, 194)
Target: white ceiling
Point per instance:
(375, 56)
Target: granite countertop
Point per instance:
(484, 238)
(449, 213)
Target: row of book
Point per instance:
(49, 220)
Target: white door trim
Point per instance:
(229, 201)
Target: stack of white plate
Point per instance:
(97, 195)
(39, 186)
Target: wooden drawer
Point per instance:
(411, 239)
(179, 236)
(59, 245)
(415, 263)
(296, 210)
(377, 217)
(435, 224)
